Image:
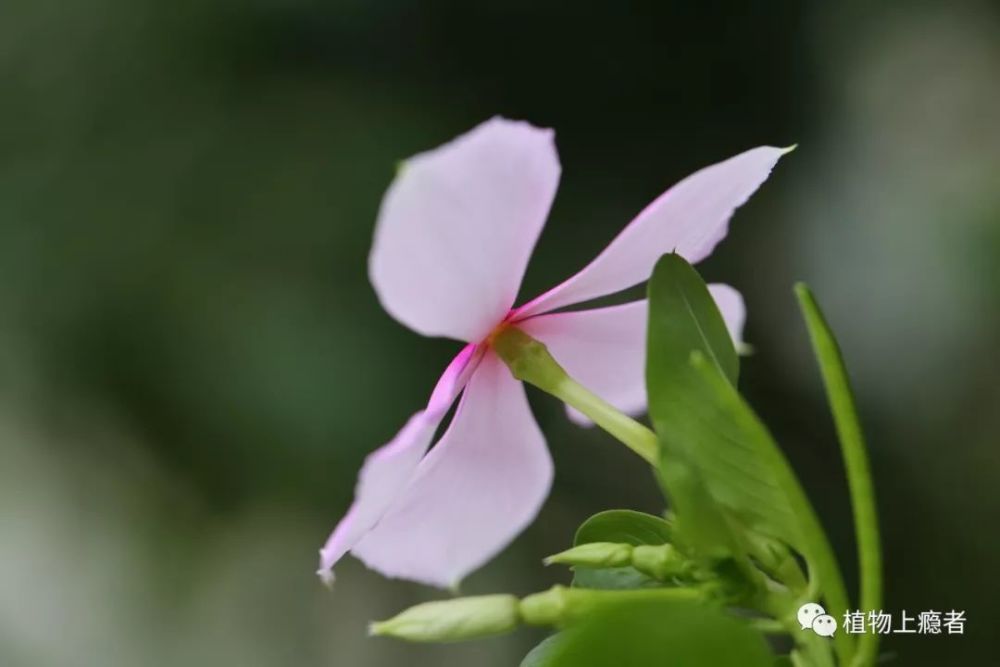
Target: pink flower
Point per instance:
(453, 238)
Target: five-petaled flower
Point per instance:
(452, 241)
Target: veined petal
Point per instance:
(604, 349)
(473, 493)
(389, 469)
(689, 218)
(457, 226)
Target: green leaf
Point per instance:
(748, 475)
(622, 526)
(743, 468)
(713, 446)
(705, 429)
(655, 632)
(852, 445)
(541, 654)
(685, 317)
(702, 530)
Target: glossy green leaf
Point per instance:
(622, 526)
(654, 632)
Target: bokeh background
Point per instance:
(193, 364)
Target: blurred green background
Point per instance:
(193, 364)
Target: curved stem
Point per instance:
(634, 435)
(529, 361)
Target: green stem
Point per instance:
(634, 435)
(529, 361)
(815, 649)
(859, 477)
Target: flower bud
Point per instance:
(595, 554)
(560, 606)
(453, 620)
(661, 562)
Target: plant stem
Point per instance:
(529, 361)
(859, 478)
(634, 435)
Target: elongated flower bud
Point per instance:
(661, 562)
(595, 554)
(487, 615)
(453, 620)
(560, 606)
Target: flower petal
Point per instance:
(388, 470)
(690, 218)
(473, 493)
(733, 309)
(604, 349)
(384, 473)
(458, 225)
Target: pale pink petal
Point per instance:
(734, 312)
(385, 471)
(473, 493)
(453, 380)
(457, 226)
(690, 218)
(388, 470)
(604, 349)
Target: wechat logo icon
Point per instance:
(813, 617)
